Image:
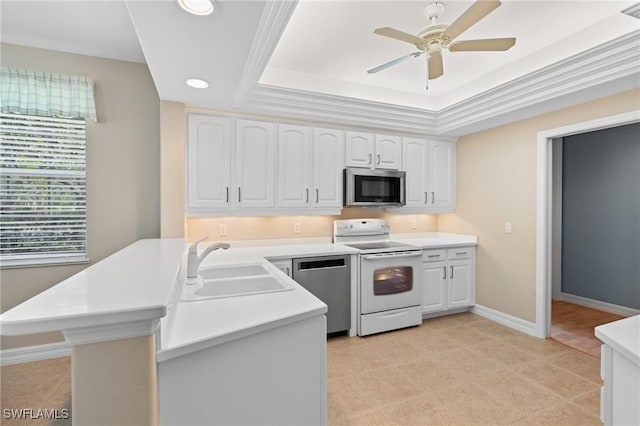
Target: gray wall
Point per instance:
(123, 168)
(601, 215)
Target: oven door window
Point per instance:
(392, 280)
(383, 189)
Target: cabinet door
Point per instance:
(415, 161)
(388, 152)
(328, 164)
(208, 161)
(359, 149)
(441, 161)
(461, 283)
(255, 160)
(284, 266)
(294, 166)
(434, 291)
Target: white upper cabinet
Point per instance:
(373, 151)
(294, 165)
(415, 158)
(328, 164)
(388, 152)
(441, 175)
(255, 164)
(359, 149)
(208, 162)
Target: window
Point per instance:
(43, 213)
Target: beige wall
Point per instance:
(123, 167)
(496, 183)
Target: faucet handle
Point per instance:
(193, 248)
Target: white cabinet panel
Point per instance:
(415, 160)
(359, 149)
(294, 165)
(388, 152)
(328, 164)
(208, 162)
(434, 292)
(255, 160)
(448, 279)
(441, 176)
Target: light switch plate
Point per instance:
(508, 228)
(223, 230)
(414, 223)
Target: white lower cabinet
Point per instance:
(285, 265)
(448, 279)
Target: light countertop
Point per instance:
(143, 281)
(623, 336)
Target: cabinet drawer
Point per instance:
(459, 253)
(434, 255)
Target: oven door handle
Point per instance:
(392, 255)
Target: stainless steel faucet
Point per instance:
(193, 260)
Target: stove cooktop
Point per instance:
(377, 245)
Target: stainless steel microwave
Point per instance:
(373, 188)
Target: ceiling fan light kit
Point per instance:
(434, 37)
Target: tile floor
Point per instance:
(455, 370)
(573, 325)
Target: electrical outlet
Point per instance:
(414, 223)
(507, 228)
(223, 230)
(296, 228)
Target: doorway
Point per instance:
(545, 252)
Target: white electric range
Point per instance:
(390, 276)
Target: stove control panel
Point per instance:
(356, 227)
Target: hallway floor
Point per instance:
(572, 325)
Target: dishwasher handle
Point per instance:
(315, 264)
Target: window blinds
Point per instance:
(42, 190)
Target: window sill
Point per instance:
(37, 263)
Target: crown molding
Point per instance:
(606, 69)
(274, 19)
(606, 63)
(633, 11)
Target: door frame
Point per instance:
(544, 213)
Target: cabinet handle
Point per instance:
(433, 197)
(239, 195)
(451, 271)
(288, 272)
(433, 255)
(307, 193)
(378, 159)
(227, 194)
(444, 272)
(370, 158)
(426, 197)
(460, 253)
(317, 195)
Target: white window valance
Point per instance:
(46, 94)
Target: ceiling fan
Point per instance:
(435, 37)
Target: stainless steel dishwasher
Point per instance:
(329, 279)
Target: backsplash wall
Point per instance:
(277, 227)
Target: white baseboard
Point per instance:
(599, 305)
(34, 353)
(506, 319)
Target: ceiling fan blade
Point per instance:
(399, 35)
(394, 62)
(434, 63)
(476, 12)
(489, 44)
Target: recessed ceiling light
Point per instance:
(197, 7)
(197, 83)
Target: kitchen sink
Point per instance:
(235, 271)
(232, 281)
(240, 287)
